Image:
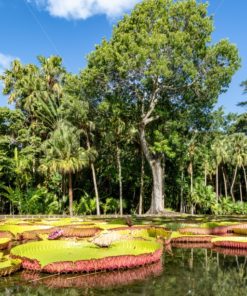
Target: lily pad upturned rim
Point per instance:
(61, 250)
(238, 239)
(4, 242)
(66, 256)
(9, 266)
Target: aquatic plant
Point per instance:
(6, 234)
(191, 245)
(192, 239)
(85, 256)
(240, 231)
(80, 231)
(230, 242)
(213, 228)
(16, 230)
(56, 234)
(8, 265)
(231, 251)
(4, 243)
(145, 231)
(195, 230)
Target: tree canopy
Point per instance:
(136, 130)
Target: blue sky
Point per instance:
(72, 28)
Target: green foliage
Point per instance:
(33, 201)
(227, 207)
(85, 206)
(152, 67)
(111, 205)
(203, 197)
(163, 145)
(148, 91)
(62, 150)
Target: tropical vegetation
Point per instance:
(136, 131)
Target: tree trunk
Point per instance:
(94, 180)
(141, 186)
(182, 193)
(245, 179)
(233, 182)
(217, 183)
(95, 189)
(240, 192)
(120, 179)
(164, 179)
(191, 186)
(157, 205)
(225, 182)
(155, 163)
(70, 195)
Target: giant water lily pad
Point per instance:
(241, 231)
(107, 226)
(72, 256)
(230, 242)
(8, 265)
(66, 221)
(18, 229)
(144, 231)
(6, 234)
(133, 232)
(192, 245)
(231, 251)
(4, 242)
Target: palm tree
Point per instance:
(63, 154)
(220, 156)
(238, 152)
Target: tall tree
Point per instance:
(241, 123)
(220, 156)
(161, 53)
(238, 151)
(63, 154)
(76, 109)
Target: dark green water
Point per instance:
(184, 272)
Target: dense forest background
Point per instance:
(135, 131)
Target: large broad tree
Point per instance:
(161, 54)
(241, 123)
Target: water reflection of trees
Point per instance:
(34, 283)
(204, 272)
(95, 280)
(186, 272)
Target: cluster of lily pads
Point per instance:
(74, 245)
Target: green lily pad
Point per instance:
(17, 229)
(46, 252)
(237, 239)
(8, 265)
(4, 243)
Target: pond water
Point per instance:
(182, 272)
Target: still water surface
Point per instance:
(182, 272)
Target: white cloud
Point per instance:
(83, 9)
(5, 61)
